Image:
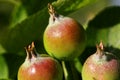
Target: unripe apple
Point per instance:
(40, 67)
(64, 38)
(101, 66)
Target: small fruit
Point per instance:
(38, 67)
(101, 66)
(64, 38)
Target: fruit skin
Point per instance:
(64, 38)
(40, 68)
(101, 66)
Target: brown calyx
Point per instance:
(52, 11)
(100, 49)
(31, 52)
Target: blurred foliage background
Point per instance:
(24, 21)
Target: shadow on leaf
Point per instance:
(109, 17)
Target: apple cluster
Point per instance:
(64, 39)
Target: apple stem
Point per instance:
(100, 49)
(70, 73)
(67, 71)
(31, 52)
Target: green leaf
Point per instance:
(13, 62)
(6, 8)
(68, 6)
(33, 6)
(106, 18)
(3, 68)
(18, 15)
(2, 50)
(24, 33)
(105, 26)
